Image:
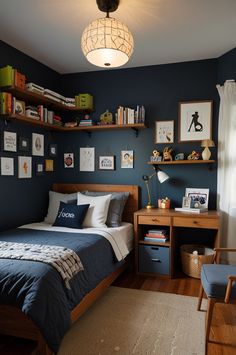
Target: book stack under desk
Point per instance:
(156, 236)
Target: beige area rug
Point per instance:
(127, 321)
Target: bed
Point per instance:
(14, 322)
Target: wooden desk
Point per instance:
(153, 258)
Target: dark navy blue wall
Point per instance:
(25, 200)
(160, 89)
(227, 66)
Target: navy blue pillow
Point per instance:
(70, 216)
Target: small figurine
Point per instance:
(106, 118)
(164, 202)
(167, 154)
(156, 156)
(179, 156)
(193, 156)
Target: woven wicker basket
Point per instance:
(191, 263)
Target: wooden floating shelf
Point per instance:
(135, 126)
(178, 162)
(37, 99)
(53, 127)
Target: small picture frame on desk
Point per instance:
(199, 197)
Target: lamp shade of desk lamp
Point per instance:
(206, 153)
(161, 177)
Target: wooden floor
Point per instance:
(223, 332)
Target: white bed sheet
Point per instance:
(121, 238)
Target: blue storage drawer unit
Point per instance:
(154, 259)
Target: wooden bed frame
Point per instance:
(13, 322)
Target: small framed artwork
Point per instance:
(87, 159)
(127, 159)
(164, 132)
(49, 165)
(186, 203)
(24, 167)
(10, 140)
(37, 144)
(53, 150)
(7, 166)
(68, 160)
(23, 144)
(106, 162)
(195, 121)
(39, 169)
(199, 197)
(19, 107)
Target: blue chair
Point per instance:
(218, 281)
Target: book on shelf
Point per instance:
(157, 231)
(159, 240)
(191, 210)
(155, 235)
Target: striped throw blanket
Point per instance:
(64, 260)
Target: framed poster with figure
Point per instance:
(195, 121)
(87, 159)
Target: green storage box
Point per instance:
(84, 101)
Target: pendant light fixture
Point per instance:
(106, 42)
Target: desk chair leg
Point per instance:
(200, 298)
(210, 307)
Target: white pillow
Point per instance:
(54, 202)
(97, 213)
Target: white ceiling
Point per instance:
(165, 31)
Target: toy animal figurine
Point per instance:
(106, 118)
(167, 153)
(156, 156)
(193, 156)
(179, 156)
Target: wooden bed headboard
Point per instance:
(132, 203)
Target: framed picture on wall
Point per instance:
(164, 132)
(37, 144)
(68, 160)
(106, 162)
(39, 169)
(53, 150)
(49, 165)
(87, 159)
(7, 166)
(127, 159)
(23, 144)
(24, 167)
(9, 141)
(195, 121)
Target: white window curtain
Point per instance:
(226, 175)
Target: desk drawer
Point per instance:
(196, 222)
(154, 259)
(155, 220)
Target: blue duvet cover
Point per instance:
(38, 289)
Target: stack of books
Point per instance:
(156, 235)
(86, 122)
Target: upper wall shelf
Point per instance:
(88, 129)
(177, 162)
(37, 99)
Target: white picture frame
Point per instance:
(37, 144)
(9, 141)
(24, 167)
(195, 121)
(69, 160)
(164, 132)
(200, 197)
(127, 159)
(7, 166)
(87, 159)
